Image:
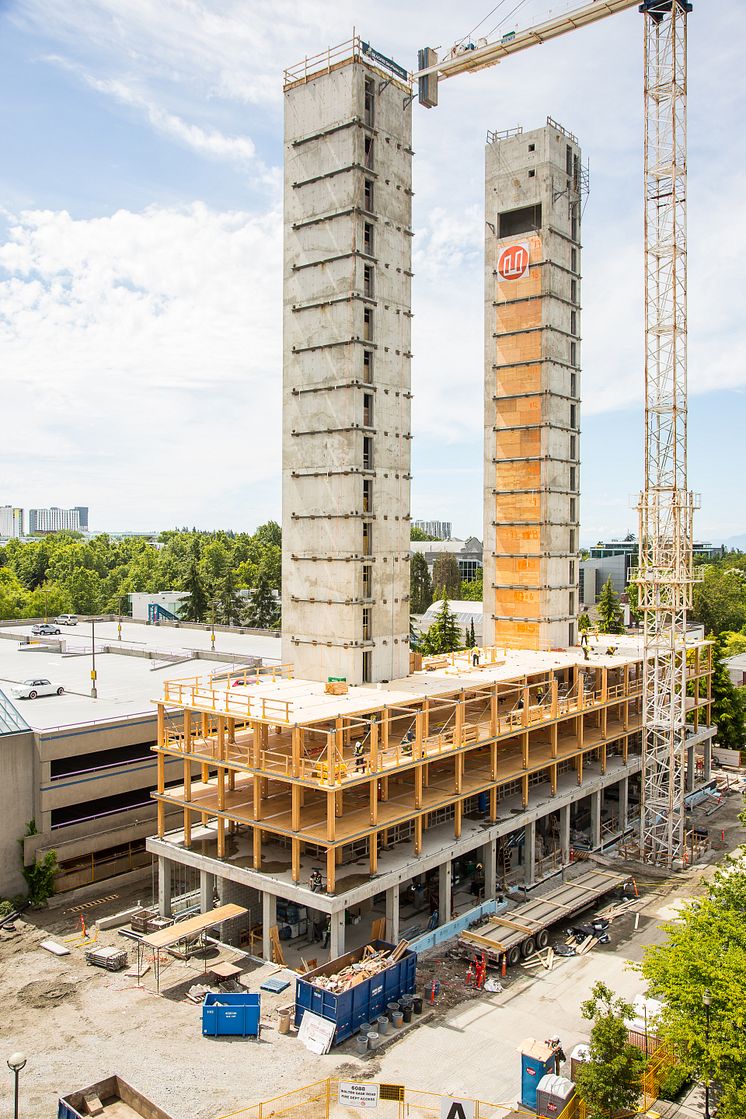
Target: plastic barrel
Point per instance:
(407, 1013)
(362, 1043)
(383, 1024)
(365, 1028)
(373, 1039)
(398, 1019)
(417, 1004)
(391, 1009)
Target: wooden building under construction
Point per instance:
(385, 785)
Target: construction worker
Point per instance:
(359, 757)
(407, 741)
(475, 657)
(315, 881)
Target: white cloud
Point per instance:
(144, 352)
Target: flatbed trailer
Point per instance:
(527, 928)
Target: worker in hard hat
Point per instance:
(359, 752)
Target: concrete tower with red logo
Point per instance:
(534, 187)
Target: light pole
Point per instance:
(94, 691)
(707, 1001)
(119, 622)
(16, 1061)
(212, 632)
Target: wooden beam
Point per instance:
(295, 848)
(373, 852)
(458, 722)
(161, 725)
(331, 870)
(524, 790)
(418, 835)
(579, 768)
(458, 772)
(418, 787)
(524, 747)
(603, 757)
(384, 789)
(221, 837)
(187, 828)
(493, 761)
(373, 749)
(257, 786)
(493, 712)
(458, 812)
(161, 771)
(221, 737)
(161, 819)
(493, 804)
(555, 698)
(295, 807)
(373, 793)
(331, 816)
(187, 731)
(553, 779)
(426, 719)
(257, 845)
(221, 788)
(295, 750)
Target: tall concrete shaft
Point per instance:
(533, 190)
(346, 392)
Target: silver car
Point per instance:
(30, 689)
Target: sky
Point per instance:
(141, 239)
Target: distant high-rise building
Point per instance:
(11, 521)
(439, 529)
(58, 520)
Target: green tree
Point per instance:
(584, 622)
(610, 1081)
(84, 590)
(609, 610)
(13, 596)
(229, 603)
(49, 600)
(420, 584)
(472, 590)
(446, 574)
(727, 707)
(472, 638)
(194, 606)
(720, 599)
(416, 533)
(734, 644)
(706, 951)
(263, 610)
(444, 635)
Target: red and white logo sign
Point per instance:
(512, 261)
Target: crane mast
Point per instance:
(666, 507)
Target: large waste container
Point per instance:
(362, 1002)
(229, 1013)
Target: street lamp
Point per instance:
(212, 633)
(16, 1061)
(706, 1002)
(94, 691)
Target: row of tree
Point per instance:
(65, 573)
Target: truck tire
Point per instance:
(528, 947)
(514, 955)
(542, 939)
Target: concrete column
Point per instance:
(164, 886)
(489, 862)
(623, 787)
(269, 918)
(529, 853)
(564, 822)
(392, 915)
(337, 938)
(445, 883)
(595, 799)
(689, 769)
(707, 759)
(206, 891)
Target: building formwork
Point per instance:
(292, 777)
(533, 188)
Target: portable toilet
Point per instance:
(537, 1059)
(580, 1055)
(553, 1093)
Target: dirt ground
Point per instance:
(78, 1024)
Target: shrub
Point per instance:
(676, 1079)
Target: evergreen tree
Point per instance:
(229, 601)
(472, 636)
(609, 610)
(584, 622)
(727, 706)
(420, 584)
(444, 635)
(610, 1082)
(263, 611)
(194, 606)
(446, 574)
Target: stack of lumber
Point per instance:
(372, 963)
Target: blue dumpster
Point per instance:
(236, 1014)
(363, 1002)
(537, 1059)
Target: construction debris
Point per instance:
(112, 959)
(372, 963)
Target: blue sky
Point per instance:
(140, 242)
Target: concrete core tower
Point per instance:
(346, 390)
(533, 189)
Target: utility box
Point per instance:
(553, 1093)
(537, 1060)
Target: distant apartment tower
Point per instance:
(441, 530)
(346, 390)
(11, 521)
(58, 520)
(533, 189)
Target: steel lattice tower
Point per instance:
(666, 506)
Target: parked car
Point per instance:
(66, 620)
(45, 629)
(30, 689)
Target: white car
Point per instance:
(66, 620)
(30, 689)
